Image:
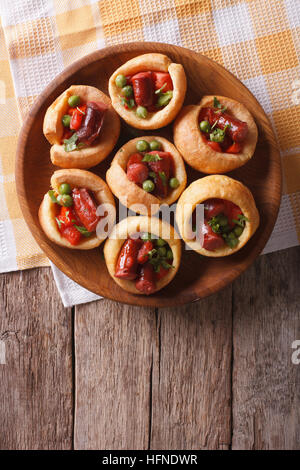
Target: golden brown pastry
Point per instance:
(229, 218)
(83, 117)
(216, 136)
(148, 90)
(142, 254)
(142, 178)
(68, 214)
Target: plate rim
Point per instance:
(80, 64)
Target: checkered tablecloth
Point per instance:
(257, 40)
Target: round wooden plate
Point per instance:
(198, 276)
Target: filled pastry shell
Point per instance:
(130, 226)
(54, 130)
(224, 188)
(156, 63)
(129, 193)
(195, 151)
(76, 179)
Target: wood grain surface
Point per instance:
(36, 396)
(262, 174)
(215, 374)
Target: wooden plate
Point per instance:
(198, 276)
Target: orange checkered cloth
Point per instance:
(257, 40)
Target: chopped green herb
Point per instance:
(52, 196)
(161, 89)
(241, 220)
(151, 157)
(83, 231)
(218, 105)
(152, 174)
(59, 222)
(70, 144)
(80, 110)
(217, 135)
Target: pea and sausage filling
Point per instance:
(144, 259)
(223, 224)
(152, 169)
(145, 92)
(76, 212)
(82, 123)
(220, 130)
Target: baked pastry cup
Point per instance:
(129, 193)
(154, 63)
(193, 147)
(220, 187)
(54, 130)
(138, 225)
(76, 179)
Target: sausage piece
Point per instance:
(85, 208)
(237, 130)
(143, 89)
(146, 281)
(143, 252)
(137, 172)
(211, 240)
(127, 262)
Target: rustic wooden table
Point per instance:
(216, 374)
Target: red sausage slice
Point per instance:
(162, 169)
(213, 207)
(237, 129)
(143, 89)
(127, 262)
(211, 240)
(232, 211)
(85, 208)
(162, 79)
(146, 280)
(143, 252)
(137, 172)
(134, 158)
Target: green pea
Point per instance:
(66, 120)
(164, 98)
(238, 230)
(141, 112)
(222, 220)
(148, 186)
(152, 174)
(231, 240)
(64, 188)
(67, 200)
(120, 81)
(155, 145)
(160, 242)
(73, 101)
(204, 126)
(127, 91)
(142, 145)
(169, 254)
(162, 251)
(174, 183)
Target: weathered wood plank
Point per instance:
(191, 397)
(113, 351)
(266, 398)
(36, 381)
